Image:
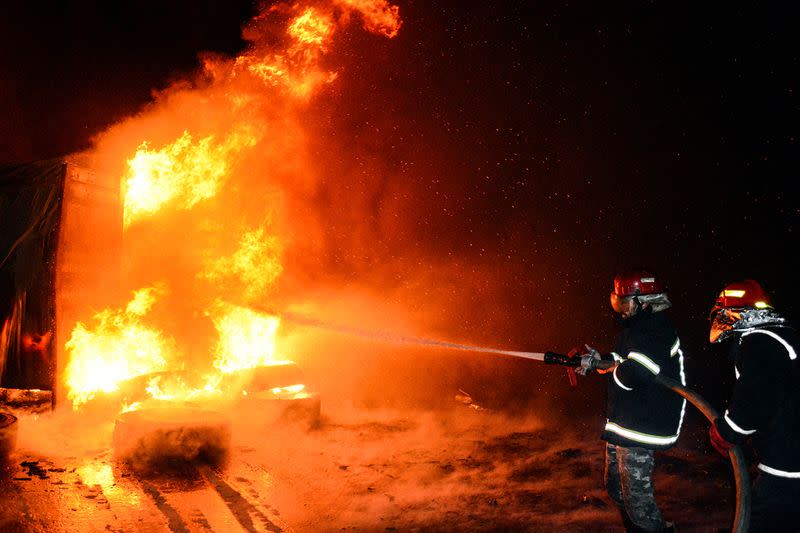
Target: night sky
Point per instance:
(548, 143)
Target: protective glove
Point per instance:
(588, 361)
(718, 441)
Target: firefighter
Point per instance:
(765, 406)
(642, 415)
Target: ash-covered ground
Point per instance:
(359, 469)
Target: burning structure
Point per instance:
(155, 274)
(142, 283)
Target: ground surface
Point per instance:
(360, 470)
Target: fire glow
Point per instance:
(187, 176)
(117, 348)
(182, 173)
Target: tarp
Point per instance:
(30, 211)
(60, 247)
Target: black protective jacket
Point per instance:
(641, 412)
(766, 398)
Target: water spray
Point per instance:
(394, 338)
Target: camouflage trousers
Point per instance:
(629, 482)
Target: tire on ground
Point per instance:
(171, 437)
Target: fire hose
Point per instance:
(741, 519)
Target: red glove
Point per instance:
(718, 441)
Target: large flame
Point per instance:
(187, 171)
(196, 146)
(246, 338)
(182, 173)
(119, 347)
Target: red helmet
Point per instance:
(742, 294)
(637, 282)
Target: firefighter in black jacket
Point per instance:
(642, 415)
(766, 400)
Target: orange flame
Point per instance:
(379, 15)
(311, 29)
(182, 173)
(256, 264)
(245, 97)
(246, 338)
(179, 390)
(118, 348)
(297, 68)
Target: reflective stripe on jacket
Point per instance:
(765, 406)
(641, 412)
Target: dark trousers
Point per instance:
(775, 504)
(629, 482)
